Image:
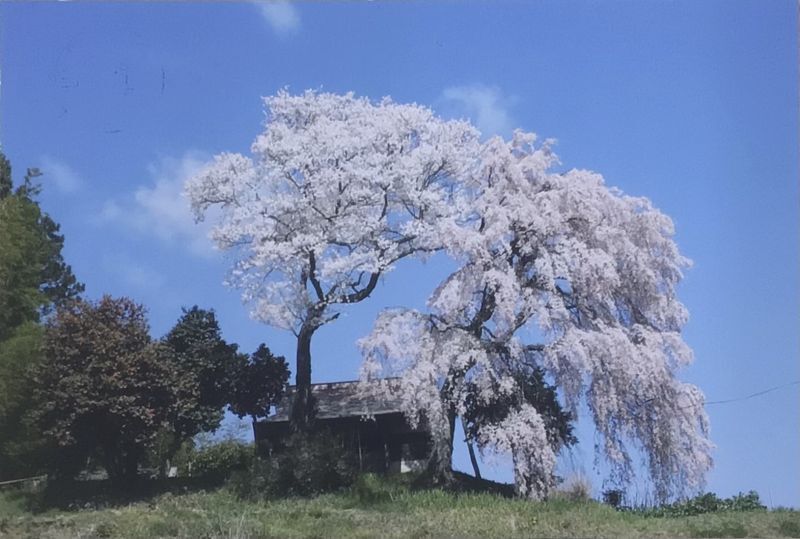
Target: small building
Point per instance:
(373, 428)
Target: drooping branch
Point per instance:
(594, 273)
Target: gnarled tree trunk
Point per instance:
(440, 461)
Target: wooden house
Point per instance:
(373, 428)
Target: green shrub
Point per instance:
(704, 503)
(789, 528)
(745, 502)
(218, 462)
(707, 503)
(613, 497)
(371, 489)
(307, 464)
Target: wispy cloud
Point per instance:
(485, 105)
(281, 15)
(133, 274)
(62, 176)
(160, 209)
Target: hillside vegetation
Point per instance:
(373, 507)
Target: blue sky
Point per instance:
(692, 104)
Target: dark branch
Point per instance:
(312, 276)
(359, 295)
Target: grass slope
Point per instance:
(375, 509)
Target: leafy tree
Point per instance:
(33, 275)
(33, 280)
(23, 451)
(203, 371)
(205, 374)
(338, 190)
(6, 183)
(259, 383)
(101, 389)
(561, 274)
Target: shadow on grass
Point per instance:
(467, 483)
(68, 495)
(389, 491)
(368, 489)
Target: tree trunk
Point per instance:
(471, 450)
(131, 463)
(303, 405)
(113, 461)
(440, 462)
(121, 461)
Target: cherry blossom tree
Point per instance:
(337, 190)
(559, 273)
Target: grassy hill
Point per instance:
(373, 508)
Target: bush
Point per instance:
(613, 497)
(745, 502)
(371, 489)
(217, 462)
(711, 503)
(307, 464)
(789, 528)
(708, 503)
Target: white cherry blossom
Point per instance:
(560, 272)
(337, 189)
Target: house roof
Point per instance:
(344, 399)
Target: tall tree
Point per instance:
(203, 370)
(33, 280)
(560, 274)
(23, 451)
(101, 389)
(33, 275)
(338, 190)
(6, 182)
(259, 383)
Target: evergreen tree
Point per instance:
(34, 279)
(203, 369)
(259, 383)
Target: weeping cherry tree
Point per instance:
(558, 274)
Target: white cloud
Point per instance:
(281, 15)
(486, 106)
(65, 179)
(160, 208)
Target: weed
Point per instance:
(722, 529)
(789, 528)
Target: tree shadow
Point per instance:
(73, 495)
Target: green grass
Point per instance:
(375, 508)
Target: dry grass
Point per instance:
(576, 488)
